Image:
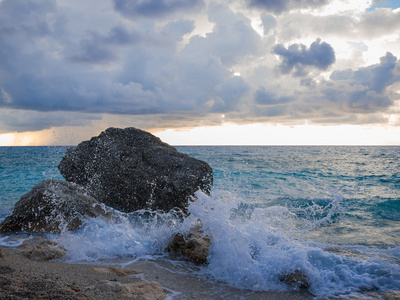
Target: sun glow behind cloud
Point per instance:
(19, 139)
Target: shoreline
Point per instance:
(22, 278)
(155, 278)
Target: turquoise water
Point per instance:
(331, 212)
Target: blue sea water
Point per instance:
(332, 213)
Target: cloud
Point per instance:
(356, 26)
(269, 22)
(155, 8)
(231, 40)
(285, 5)
(26, 120)
(352, 96)
(49, 72)
(265, 97)
(363, 90)
(376, 23)
(299, 57)
(158, 66)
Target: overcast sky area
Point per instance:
(285, 70)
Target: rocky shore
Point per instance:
(23, 277)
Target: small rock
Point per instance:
(195, 246)
(39, 248)
(296, 279)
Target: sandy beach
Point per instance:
(25, 278)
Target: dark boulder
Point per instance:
(51, 206)
(130, 169)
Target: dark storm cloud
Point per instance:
(279, 6)
(299, 57)
(154, 8)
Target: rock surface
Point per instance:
(51, 206)
(149, 290)
(39, 249)
(130, 169)
(118, 271)
(195, 245)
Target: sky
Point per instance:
(201, 72)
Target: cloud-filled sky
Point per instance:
(69, 68)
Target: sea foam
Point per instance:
(251, 247)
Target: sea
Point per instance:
(331, 213)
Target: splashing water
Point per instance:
(255, 250)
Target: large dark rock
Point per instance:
(51, 206)
(130, 169)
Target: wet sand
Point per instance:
(24, 278)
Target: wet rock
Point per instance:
(149, 290)
(130, 169)
(6, 270)
(195, 245)
(5, 281)
(39, 249)
(296, 279)
(51, 206)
